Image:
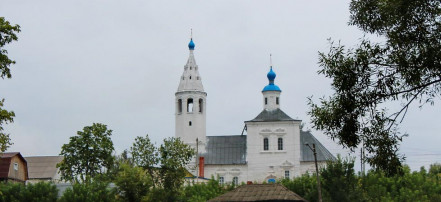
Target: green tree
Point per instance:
(133, 183)
(402, 68)
(339, 180)
(305, 186)
(7, 35)
(165, 166)
(116, 167)
(145, 155)
(175, 155)
(87, 154)
(204, 191)
(38, 192)
(95, 191)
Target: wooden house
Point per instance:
(13, 167)
(43, 168)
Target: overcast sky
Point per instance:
(119, 63)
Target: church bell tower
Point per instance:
(191, 105)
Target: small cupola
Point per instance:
(191, 44)
(271, 86)
(271, 92)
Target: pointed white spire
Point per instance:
(190, 79)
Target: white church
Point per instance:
(274, 146)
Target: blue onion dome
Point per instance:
(191, 44)
(271, 75)
(271, 86)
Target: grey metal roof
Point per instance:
(226, 150)
(272, 115)
(43, 167)
(306, 154)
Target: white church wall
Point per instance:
(228, 172)
(191, 125)
(309, 167)
(272, 163)
(271, 100)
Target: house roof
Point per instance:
(226, 150)
(272, 115)
(43, 167)
(5, 163)
(229, 150)
(306, 153)
(259, 192)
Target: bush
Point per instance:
(132, 183)
(95, 191)
(203, 191)
(38, 192)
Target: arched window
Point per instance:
(277, 100)
(179, 106)
(190, 105)
(280, 143)
(266, 101)
(189, 123)
(190, 77)
(221, 180)
(265, 144)
(235, 181)
(201, 104)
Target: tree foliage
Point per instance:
(133, 183)
(5, 117)
(145, 155)
(340, 183)
(339, 180)
(38, 192)
(165, 166)
(95, 191)
(404, 67)
(175, 155)
(7, 35)
(87, 154)
(204, 191)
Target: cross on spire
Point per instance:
(271, 61)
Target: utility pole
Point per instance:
(197, 164)
(362, 158)
(319, 186)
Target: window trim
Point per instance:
(201, 105)
(280, 144)
(265, 144)
(179, 106)
(190, 105)
(221, 180)
(235, 181)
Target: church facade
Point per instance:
(273, 147)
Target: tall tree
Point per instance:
(165, 165)
(133, 182)
(87, 154)
(403, 67)
(7, 35)
(175, 156)
(145, 155)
